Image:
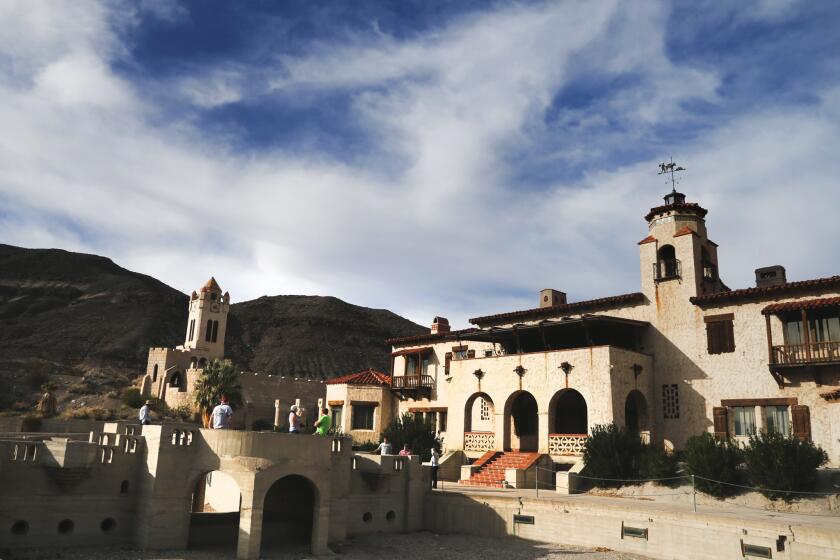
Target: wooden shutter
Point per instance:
(801, 422)
(721, 419)
(728, 334)
(470, 353)
(446, 362)
(713, 338)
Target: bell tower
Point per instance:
(677, 258)
(208, 321)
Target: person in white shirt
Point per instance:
(435, 463)
(145, 414)
(294, 420)
(384, 448)
(221, 415)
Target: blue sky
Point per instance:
(427, 157)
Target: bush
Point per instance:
(656, 463)
(30, 423)
(132, 397)
(717, 460)
(776, 462)
(262, 425)
(612, 452)
(185, 412)
(415, 432)
(367, 446)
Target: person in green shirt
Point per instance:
(324, 423)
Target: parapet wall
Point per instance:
(260, 390)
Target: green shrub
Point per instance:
(656, 463)
(715, 460)
(417, 433)
(776, 462)
(612, 452)
(262, 425)
(132, 397)
(184, 412)
(367, 446)
(30, 423)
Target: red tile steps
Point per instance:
(492, 465)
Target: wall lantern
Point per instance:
(567, 367)
(637, 371)
(479, 374)
(519, 370)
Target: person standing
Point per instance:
(294, 420)
(221, 415)
(406, 450)
(435, 462)
(145, 414)
(324, 423)
(384, 447)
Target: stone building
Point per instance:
(682, 355)
(361, 404)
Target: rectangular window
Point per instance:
(744, 420)
(411, 365)
(442, 421)
(720, 334)
(336, 417)
(215, 336)
(460, 352)
(192, 329)
(208, 333)
(485, 409)
(670, 401)
(822, 328)
(776, 419)
(363, 416)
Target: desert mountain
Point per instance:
(71, 314)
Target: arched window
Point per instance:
(208, 333)
(215, 331)
(667, 266)
(709, 268)
(154, 373)
(192, 329)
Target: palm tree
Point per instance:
(217, 379)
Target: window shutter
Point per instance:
(801, 422)
(470, 353)
(711, 338)
(729, 333)
(447, 361)
(721, 419)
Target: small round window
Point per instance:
(367, 517)
(390, 516)
(108, 525)
(66, 526)
(20, 527)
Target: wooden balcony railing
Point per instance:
(412, 382)
(804, 354)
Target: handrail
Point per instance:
(411, 381)
(793, 354)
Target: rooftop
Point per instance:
(364, 377)
(766, 292)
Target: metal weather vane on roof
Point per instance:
(671, 167)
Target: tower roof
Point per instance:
(211, 286)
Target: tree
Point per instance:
(415, 432)
(216, 380)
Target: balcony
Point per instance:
(412, 386)
(670, 269)
(815, 353)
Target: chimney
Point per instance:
(440, 325)
(550, 298)
(770, 276)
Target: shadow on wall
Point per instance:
(214, 517)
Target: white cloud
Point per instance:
(432, 223)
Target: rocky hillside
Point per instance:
(85, 324)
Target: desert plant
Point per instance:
(656, 463)
(418, 434)
(216, 380)
(184, 412)
(612, 452)
(714, 462)
(775, 462)
(132, 397)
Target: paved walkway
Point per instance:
(828, 520)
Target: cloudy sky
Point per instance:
(426, 157)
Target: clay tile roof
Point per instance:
(801, 304)
(422, 350)
(211, 286)
(564, 309)
(831, 395)
(767, 292)
(364, 377)
(685, 231)
(648, 239)
(686, 206)
(421, 338)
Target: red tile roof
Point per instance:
(566, 308)
(685, 231)
(422, 350)
(801, 304)
(648, 239)
(421, 338)
(365, 377)
(831, 395)
(767, 292)
(687, 206)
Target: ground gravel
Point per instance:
(413, 546)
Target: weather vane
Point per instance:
(670, 167)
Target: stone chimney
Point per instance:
(440, 325)
(770, 276)
(550, 298)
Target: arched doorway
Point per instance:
(568, 413)
(479, 423)
(289, 514)
(521, 424)
(146, 387)
(214, 512)
(635, 412)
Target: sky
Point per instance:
(429, 157)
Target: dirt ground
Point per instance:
(413, 546)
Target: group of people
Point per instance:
(322, 425)
(385, 448)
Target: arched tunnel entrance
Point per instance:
(288, 514)
(214, 513)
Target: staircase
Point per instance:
(492, 465)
